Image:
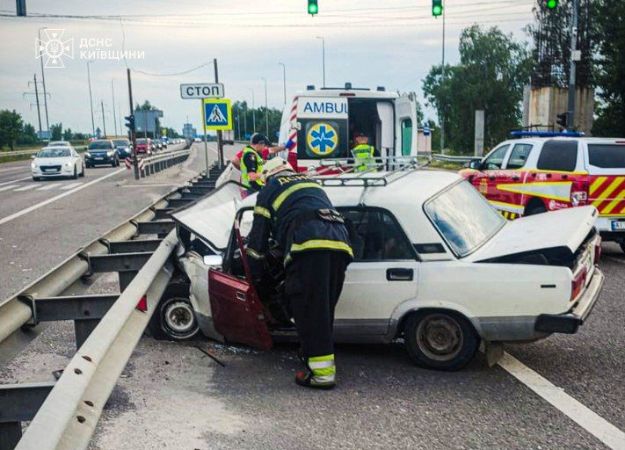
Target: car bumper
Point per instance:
(64, 172)
(93, 161)
(569, 322)
(608, 230)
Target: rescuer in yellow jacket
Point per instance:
(363, 153)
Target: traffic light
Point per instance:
(552, 4)
(130, 122)
(561, 120)
(313, 7)
(437, 7)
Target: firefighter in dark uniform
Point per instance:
(296, 211)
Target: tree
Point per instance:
(492, 72)
(610, 20)
(243, 117)
(10, 127)
(56, 131)
(67, 134)
(28, 136)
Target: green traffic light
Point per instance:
(552, 4)
(437, 11)
(313, 7)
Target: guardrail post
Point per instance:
(10, 434)
(125, 278)
(83, 328)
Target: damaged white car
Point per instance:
(435, 265)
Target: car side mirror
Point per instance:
(475, 164)
(33, 156)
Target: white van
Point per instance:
(322, 122)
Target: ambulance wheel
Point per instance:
(174, 318)
(440, 340)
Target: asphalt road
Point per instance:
(172, 396)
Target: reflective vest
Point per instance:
(245, 176)
(363, 157)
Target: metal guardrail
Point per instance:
(153, 164)
(69, 415)
(107, 327)
(452, 158)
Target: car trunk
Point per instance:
(555, 238)
(606, 167)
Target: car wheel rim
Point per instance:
(440, 337)
(178, 317)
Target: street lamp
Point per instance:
(283, 79)
(323, 58)
(266, 110)
(253, 112)
(43, 80)
(90, 98)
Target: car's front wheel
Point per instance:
(82, 172)
(174, 317)
(75, 176)
(441, 340)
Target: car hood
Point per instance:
(564, 228)
(211, 218)
(52, 161)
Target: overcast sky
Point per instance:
(370, 43)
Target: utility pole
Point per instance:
(38, 108)
(441, 113)
(323, 58)
(20, 8)
(114, 112)
(103, 118)
(133, 134)
(43, 78)
(220, 142)
(266, 111)
(570, 122)
(253, 113)
(91, 99)
(284, 79)
(245, 121)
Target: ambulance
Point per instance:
(320, 123)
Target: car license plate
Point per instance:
(98, 159)
(618, 225)
(49, 170)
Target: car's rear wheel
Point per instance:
(441, 340)
(174, 318)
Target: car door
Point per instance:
(238, 313)
(383, 274)
(491, 174)
(406, 125)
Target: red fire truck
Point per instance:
(532, 175)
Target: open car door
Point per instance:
(238, 313)
(406, 126)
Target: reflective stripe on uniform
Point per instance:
(318, 244)
(253, 253)
(259, 210)
(323, 368)
(296, 187)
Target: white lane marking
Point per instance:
(67, 187)
(58, 197)
(6, 188)
(25, 188)
(13, 169)
(49, 186)
(14, 181)
(583, 416)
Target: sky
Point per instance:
(367, 42)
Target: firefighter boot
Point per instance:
(320, 374)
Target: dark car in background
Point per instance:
(123, 147)
(101, 152)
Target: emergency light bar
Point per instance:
(521, 134)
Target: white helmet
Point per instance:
(273, 167)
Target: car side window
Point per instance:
(376, 236)
(495, 159)
(518, 156)
(558, 155)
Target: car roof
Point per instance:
(348, 93)
(539, 140)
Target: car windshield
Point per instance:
(100, 145)
(54, 153)
(142, 141)
(463, 217)
(58, 144)
(121, 143)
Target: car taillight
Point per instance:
(597, 249)
(578, 283)
(579, 198)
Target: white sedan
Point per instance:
(57, 162)
(435, 265)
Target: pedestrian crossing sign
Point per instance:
(217, 114)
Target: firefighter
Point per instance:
(296, 212)
(363, 153)
(251, 164)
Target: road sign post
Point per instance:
(205, 137)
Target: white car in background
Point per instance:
(57, 162)
(435, 265)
